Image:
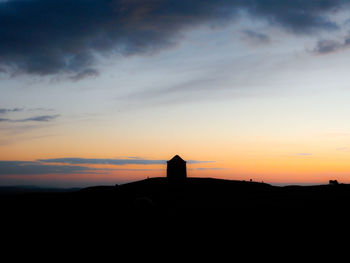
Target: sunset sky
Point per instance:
(105, 91)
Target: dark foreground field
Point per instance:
(197, 200)
(200, 211)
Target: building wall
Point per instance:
(176, 171)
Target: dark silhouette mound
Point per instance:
(195, 198)
(199, 209)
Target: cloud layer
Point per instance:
(43, 118)
(112, 161)
(303, 154)
(256, 37)
(326, 46)
(4, 111)
(73, 166)
(62, 36)
(36, 168)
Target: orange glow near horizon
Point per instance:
(286, 170)
(298, 159)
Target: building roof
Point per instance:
(176, 159)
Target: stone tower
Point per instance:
(176, 170)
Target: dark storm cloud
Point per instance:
(44, 118)
(298, 16)
(111, 161)
(46, 37)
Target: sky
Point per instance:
(105, 91)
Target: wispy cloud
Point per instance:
(343, 149)
(43, 118)
(40, 109)
(303, 154)
(4, 111)
(37, 168)
(85, 74)
(198, 88)
(102, 161)
(126, 161)
(195, 161)
(335, 134)
(207, 169)
(255, 37)
(327, 46)
(77, 166)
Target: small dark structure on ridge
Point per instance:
(333, 182)
(176, 170)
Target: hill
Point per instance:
(155, 201)
(196, 193)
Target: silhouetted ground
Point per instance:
(202, 199)
(209, 212)
(202, 205)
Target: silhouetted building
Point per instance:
(176, 170)
(333, 182)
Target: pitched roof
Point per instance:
(177, 158)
